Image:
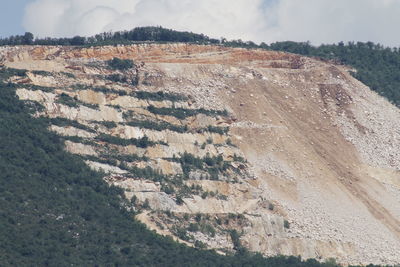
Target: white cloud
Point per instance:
(320, 21)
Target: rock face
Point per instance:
(280, 153)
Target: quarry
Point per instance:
(225, 148)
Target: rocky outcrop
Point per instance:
(291, 153)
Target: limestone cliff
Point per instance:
(217, 146)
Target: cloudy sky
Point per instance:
(318, 21)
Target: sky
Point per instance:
(317, 21)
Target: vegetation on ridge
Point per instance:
(377, 66)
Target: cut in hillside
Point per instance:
(229, 148)
(55, 211)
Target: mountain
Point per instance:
(223, 148)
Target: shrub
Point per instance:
(169, 190)
(182, 234)
(286, 224)
(159, 96)
(182, 113)
(133, 200)
(120, 64)
(199, 244)
(67, 100)
(235, 239)
(219, 130)
(118, 78)
(208, 229)
(108, 124)
(62, 122)
(158, 126)
(146, 204)
(198, 217)
(143, 142)
(193, 227)
(179, 200)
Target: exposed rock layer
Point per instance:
(322, 177)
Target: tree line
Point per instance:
(139, 34)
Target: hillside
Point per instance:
(55, 211)
(228, 148)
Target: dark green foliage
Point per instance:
(219, 130)
(62, 122)
(77, 139)
(198, 217)
(199, 244)
(9, 72)
(162, 125)
(181, 233)
(193, 227)
(158, 126)
(146, 204)
(92, 106)
(68, 74)
(286, 224)
(213, 161)
(34, 87)
(235, 237)
(190, 159)
(145, 173)
(108, 124)
(104, 90)
(179, 200)
(239, 158)
(167, 189)
(140, 34)
(120, 160)
(78, 40)
(27, 38)
(67, 100)
(120, 64)
(159, 96)
(208, 229)
(213, 165)
(182, 113)
(41, 72)
(141, 142)
(73, 102)
(118, 78)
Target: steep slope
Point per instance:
(308, 166)
(55, 211)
